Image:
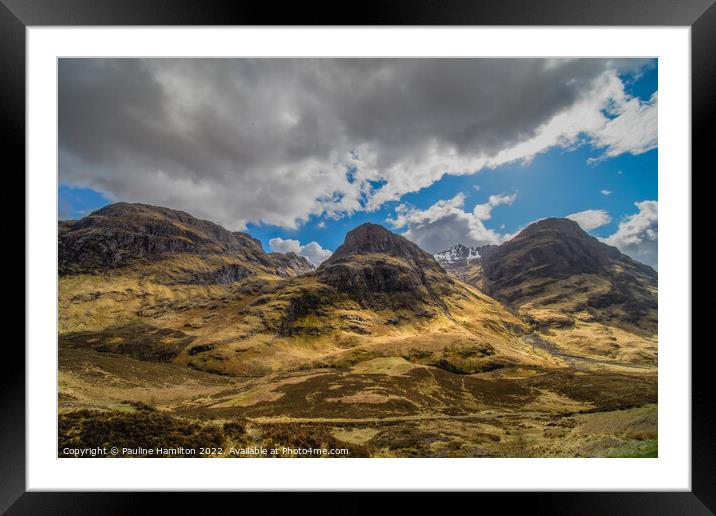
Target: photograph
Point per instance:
(353, 257)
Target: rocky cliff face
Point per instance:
(290, 264)
(122, 234)
(222, 275)
(375, 239)
(554, 248)
(554, 263)
(118, 233)
(376, 266)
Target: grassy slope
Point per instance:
(241, 323)
(378, 407)
(559, 311)
(466, 381)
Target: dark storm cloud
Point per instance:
(270, 140)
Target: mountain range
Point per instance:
(200, 322)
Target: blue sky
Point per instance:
(555, 184)
(593, 173)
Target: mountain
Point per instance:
(592, 297)
(553, 262)
(136, 276)
(457, 256)
(180, 327)
(555, 248)
(378, 268)
(134, 270)
(368, 239)
(138, 235)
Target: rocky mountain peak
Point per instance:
(565, 227)
(123, 233)
(457, 254)
(153, 223)
(379, 268)
(375, 239)
(554, 248)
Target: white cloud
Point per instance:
(632, 130)
(446, 223)
(484, 211)
(272, 140)
(606, 193)
(312, 251)
(638, 234)
(590, 219)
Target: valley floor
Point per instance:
(383, 406)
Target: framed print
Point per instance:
(423, 248)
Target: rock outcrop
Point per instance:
(123, 234)
(290, 264)
(379, 268)
(368, 239)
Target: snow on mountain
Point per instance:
(457, 254)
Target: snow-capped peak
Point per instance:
(457, 253)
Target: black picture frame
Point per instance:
(16, 15)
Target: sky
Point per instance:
(299, 151)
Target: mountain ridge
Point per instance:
(123, 234)
(552, 276)
(565, 281)
(554, 248)
(190, 332)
